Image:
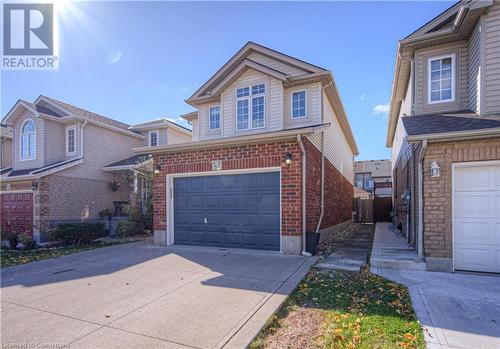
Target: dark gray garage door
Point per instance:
(240, 211)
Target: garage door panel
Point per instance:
(476, 220)
(16, 209)
(244, 212)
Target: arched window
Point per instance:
(28, 140)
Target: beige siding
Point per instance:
(461, 79)
(313, 103)
(492, 60)
(55, 142)
(6, 153)
(163, 136)
(337, 149)
(474, 70)
(175, 136)
(195, 126)
(274, 64)
(16, 134)
(101, 147)
(400, 132)
(273, 107)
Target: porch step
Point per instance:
(400, 263)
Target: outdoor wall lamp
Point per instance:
(288, 158)
(34, 185)
(435, 169)
(157, 170)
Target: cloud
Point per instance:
(381, 109)
(114, 56)
(363, 97)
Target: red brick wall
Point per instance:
(237, 157)
(338, 192)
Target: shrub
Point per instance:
(27, 241)
(78, 233)
(129, 228)
(105, 214)
(11, 234)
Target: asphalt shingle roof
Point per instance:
(443, 123)
(133, 160)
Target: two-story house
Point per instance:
(271, 158)
(68, 163)
(374, 176)
(444, 130)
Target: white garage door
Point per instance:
(476, 223)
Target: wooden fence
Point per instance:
(372, 210)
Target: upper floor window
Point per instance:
(28, 140)
(71, 140)
(250, 107)
(441, 79)
(214, 122)
(153, 138)
(299, 104)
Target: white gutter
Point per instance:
(81, 138)
(303, 151)
(420, 233)
(455, 135)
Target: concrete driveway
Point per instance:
(142, 296)
(456, 310)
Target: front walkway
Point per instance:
(143, 296)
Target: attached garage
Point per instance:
(236, 210)
(476, 216)
(16, 209)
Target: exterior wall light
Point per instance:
(157, 170)
(288, 158)
(435, 169)
(34, 185)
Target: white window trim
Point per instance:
(250, 102)
(453, 85)
(73, 127)
(21, 141)
(209, 113)
(157, 132)
(291, 105)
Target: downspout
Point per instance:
(421, 200)
(81, 138)
(322, 181)
(303, 151)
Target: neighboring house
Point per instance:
(444, 130)
(5, 147)
(374, 176)
(271, 158)
(362, 194)
(69, 164)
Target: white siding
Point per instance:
(101, 147)
(195, 126)
(274, 64)
(474, 69)
(6, 152)
(313, 103)
(337, 149)
(492, 60)
(400, 132)
(175, 136)
(16, 134)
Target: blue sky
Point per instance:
(137, 61)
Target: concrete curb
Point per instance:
(253, 324)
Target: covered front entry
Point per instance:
(228, 210)
(16, 211)
(476, 221)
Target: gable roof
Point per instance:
(39, 171)
(454, 24)
(239, 57)
(129, 163)
(160, 123)
(377, 168)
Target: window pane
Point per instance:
(435, 75)
(435, 86)
(214, 118)
(435, 96)
(242, 114)
(31, 145)
(258, 112)
(154, 139)
(242, 92)
(446, 83)
(28, 127)
(446, 94)
(258, 89)
(446, 74)
(446, 63)
(435, 64)
(299, 104)
(71, 140)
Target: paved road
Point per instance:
(456, 310)
(142, 296)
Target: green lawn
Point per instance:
(9, 258)
(346, 310)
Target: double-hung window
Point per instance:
(153, 138)
(214, 122)
(71, 140)
(28, 140)
(299, 104)
(250, 107)
(441, 79)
